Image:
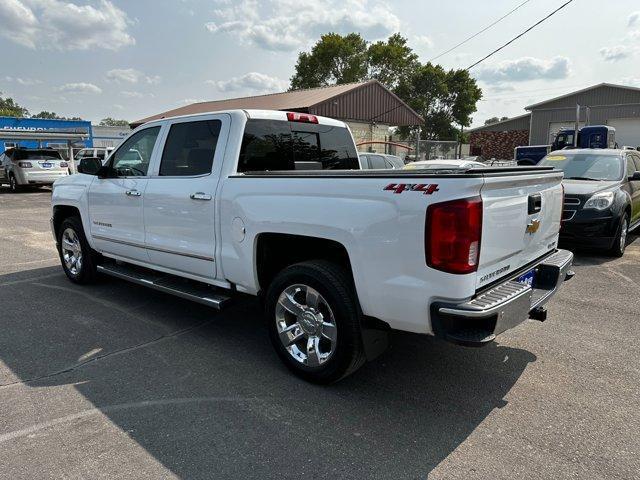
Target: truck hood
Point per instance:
(586, 187)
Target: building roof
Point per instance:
(362, 101)
(521, 122)
(584, 90)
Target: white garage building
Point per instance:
(604, 104)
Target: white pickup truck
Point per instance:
(213, 206)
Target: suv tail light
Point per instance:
(64, 164)
(25, 165)
(452, 235)
(301, 117)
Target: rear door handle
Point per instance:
(200, 196)
(133, 193)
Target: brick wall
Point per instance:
(497, 145)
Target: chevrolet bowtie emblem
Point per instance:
(533, 226)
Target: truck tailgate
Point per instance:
(521, 221)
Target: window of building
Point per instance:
(190, 148)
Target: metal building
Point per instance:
(604, 104)
(369, 108)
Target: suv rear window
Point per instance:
(278, 145)
(44, 154)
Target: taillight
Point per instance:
(301, 117)
(452, 235)
(25, 165)
(64, 164)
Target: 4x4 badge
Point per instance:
(427, 189)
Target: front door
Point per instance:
(116, 202)
(179, 206)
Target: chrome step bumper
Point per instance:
(478, 321)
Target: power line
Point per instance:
(481, 31)
(520, 35)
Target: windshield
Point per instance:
(586, 166)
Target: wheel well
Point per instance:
(275, 251)
(60, 213)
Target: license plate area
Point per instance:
(46, 164)
(527, 278)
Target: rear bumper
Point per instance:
(478, 321)
(26, 177)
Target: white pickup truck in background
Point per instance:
(266, 203)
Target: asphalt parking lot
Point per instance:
(117, 381)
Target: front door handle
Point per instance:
(133, 193)
(200, 196)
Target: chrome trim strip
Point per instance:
(162, 250)
(571, 201)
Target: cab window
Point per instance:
(134, 155)
(190, 148)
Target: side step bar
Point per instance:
(188, 289)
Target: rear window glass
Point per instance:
(36, 155)
(270, 145)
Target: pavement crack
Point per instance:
(113, 353)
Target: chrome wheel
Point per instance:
(71, 251)
(623, 234)
(306, 325)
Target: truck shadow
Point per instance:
(204, 394)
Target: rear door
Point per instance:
(635, 190)
(521, 221)
(116, 203)
(179, 206)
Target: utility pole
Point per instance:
(418, 144)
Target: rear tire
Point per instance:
(314, 321)
(620, 242)
(79, 260)
(13, 184)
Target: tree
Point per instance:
(445, 100)
(53, 116)
(334, 59)
(9, 108)
(391, 62)
(112, 122)
(492, 120)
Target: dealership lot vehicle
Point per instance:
(602, 196)
(463, 164)
(21, 167)
(216, 199)
(379, 161)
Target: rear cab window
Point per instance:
(275, 145)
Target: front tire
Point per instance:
(314, 321)
(77, 258)
(620, 242)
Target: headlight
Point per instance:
(600, 201)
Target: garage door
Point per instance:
(627, 131)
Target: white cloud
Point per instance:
(630, 81)
(634, 19)
(131, 75)
(63, 25)
(286, 25)
(524, 69)
(27, 82)
(423, 41)
(616, 53)
(254, 82)
(79, 87)
(130, 94)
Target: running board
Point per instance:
(180, 287)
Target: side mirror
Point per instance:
(635, 177)
(90, 165)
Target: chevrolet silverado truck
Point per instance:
(213, 207)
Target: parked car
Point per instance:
(444, 164)
(20, 167)
(380, 161)
(602, 196)
(226, 205)
(98, 152)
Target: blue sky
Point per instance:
(130, 59)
